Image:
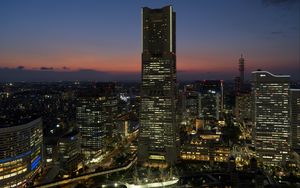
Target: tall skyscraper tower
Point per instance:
(271, 117)
(239, 80)
(158, 127)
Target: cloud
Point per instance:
(20, 67)
(88, 70)
(283, 3)
(36, 75)
(40, 75)
(46, 68)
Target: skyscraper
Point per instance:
(69, 150)
(295, 117)
(95, 111)
(271, 117)
(239, 80)
(158, 127)
(211, 98)
(243, 106)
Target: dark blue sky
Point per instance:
(69, 36)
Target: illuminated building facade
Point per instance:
(69, 150)
(243, 105)
(295, 117)
(205, 147)
(158, 126)
(95, 112)
(191, 106)
(21, 153)
(271, 117)
(211, 98)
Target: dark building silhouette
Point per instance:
(240, 80)
(158, 127)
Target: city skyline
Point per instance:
(64, 125)
(101, 41)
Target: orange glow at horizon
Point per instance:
(129, 63)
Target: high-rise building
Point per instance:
(190, 106)
(239, 81)
(211, 98)
(95, 112)
(69, 151)
(271, 117)
(158, 126)
(21, 153)
(295, 117)
(243, 106)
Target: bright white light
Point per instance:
(171, 29)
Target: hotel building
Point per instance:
(271, 117)
(21, 153)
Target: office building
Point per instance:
(69, 151)
(95, 112)
(243, 106)
(21, 153)
(295, 117)
(211, 98)
(158, 127)
(239, 81)
(271, 117)
(191, 106)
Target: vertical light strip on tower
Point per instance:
(171, 29)
(142, 33)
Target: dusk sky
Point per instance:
(100, 39)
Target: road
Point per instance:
(87, 176)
